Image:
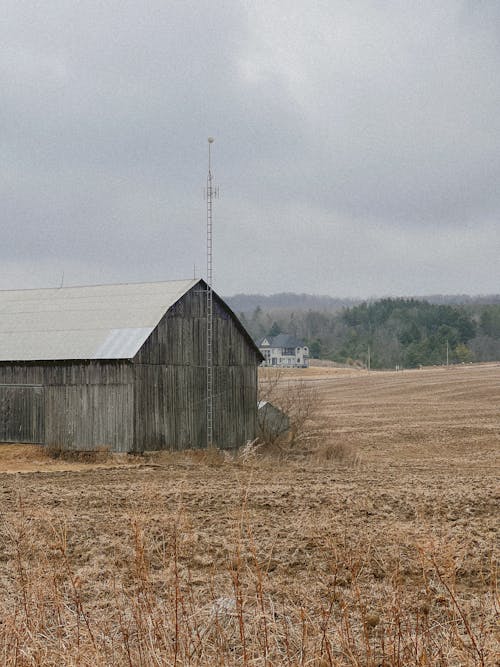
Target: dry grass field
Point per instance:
(378, 546)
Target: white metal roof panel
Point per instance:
(124, 342)
(94, 322)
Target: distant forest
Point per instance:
(405, 332)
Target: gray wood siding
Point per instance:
(21, 414)
(85, 406)
(180, 337)
(66, 373)
(86, 417)
(170, 405)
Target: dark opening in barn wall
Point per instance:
(21, 413)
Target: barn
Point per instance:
(123, 367)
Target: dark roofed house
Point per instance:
(123, 367)
(284, 350)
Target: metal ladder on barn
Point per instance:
(212, 192)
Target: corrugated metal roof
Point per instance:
(95, 322)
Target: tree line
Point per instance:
(389, 332)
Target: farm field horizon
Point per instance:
(378, 547)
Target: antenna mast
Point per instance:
(211, 195)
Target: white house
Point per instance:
(284, 350)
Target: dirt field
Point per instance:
(380, 550)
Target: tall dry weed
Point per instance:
(157, 612)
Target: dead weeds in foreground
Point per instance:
(158, 612)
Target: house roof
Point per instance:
(282, 340)
(270, 406)
(94, 322)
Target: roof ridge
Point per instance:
(68, 287)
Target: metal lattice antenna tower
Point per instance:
(211, 195)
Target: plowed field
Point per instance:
(386, 557)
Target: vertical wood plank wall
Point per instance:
(21, 414)
(170, 396)
(86, 405)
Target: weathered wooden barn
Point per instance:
(123, 367)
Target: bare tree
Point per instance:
(299, 401)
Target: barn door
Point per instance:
(21, 413)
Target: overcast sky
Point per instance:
(357, 144)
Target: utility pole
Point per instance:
(447, 353)
(369, 358)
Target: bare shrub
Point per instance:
(301, 403)
(54, 451)
(340, 452)
(98, 455)
(250, 451)
(308, 434)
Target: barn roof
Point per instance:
(94, 322)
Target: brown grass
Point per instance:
(208, 559)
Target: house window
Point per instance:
(288, 351)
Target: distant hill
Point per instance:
(247, 303)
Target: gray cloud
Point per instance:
(357, 144)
